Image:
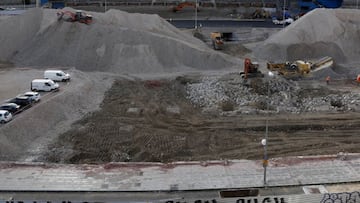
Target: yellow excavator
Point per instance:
(217, 40)
(300, 67)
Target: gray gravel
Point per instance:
(211, 92)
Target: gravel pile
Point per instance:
(211, 92)
(208, 93)
(321, 32)
(116, 42)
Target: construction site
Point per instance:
(143, 91)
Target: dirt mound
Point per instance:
(116, 42)
(322, 32)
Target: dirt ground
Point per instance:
(152, 120)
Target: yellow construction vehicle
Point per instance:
(217, 40)
(299, 67)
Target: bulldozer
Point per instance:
(78, 16)
(300, 68)
(251, 70)
(217, 40)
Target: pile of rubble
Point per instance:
(265, 95)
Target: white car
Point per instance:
(281, 22)
(5, 116)
(35, 96)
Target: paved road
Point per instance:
(179, 175)
(224, 23)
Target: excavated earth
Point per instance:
(153, 120)
(144, 91)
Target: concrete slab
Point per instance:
(179, 175)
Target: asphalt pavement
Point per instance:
(179, 176)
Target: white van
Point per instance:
(56, 75)
(44, 85)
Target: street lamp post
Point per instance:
(196, 7)
(284, 13)
(264, 141)
(105, 5)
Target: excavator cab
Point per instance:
(82, 17)
(251, 69)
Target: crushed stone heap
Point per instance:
(116, 41)
(321, 32)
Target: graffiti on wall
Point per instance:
(344, 197)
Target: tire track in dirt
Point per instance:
(153, 133)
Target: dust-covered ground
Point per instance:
(156, 120)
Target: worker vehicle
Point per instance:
(251, 69)
(56, 75)
(78, 16)
(217, 40)
(287, 21)
(11, 107)
(46, 85)
(300, 67)
(5, 116)
(182, 5)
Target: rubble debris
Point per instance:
(284, 96)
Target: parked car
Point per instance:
(35, 96)
(21, 100)
(44, 85)
(11, 107)
(56, 75)
(5, 116)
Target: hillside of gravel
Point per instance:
(116, 41)
(321, 32)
